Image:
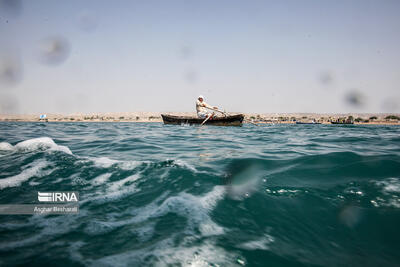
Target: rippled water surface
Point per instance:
(159, 195)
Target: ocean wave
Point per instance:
(41, 143)
(35, 169)
(42, 228)
(111, 222)
(184, 164)
(166, 253)
(390, 188)
(284, 192)
(101, 179)
(112, 191)
(196, 209)
(4, 146)
(127, 165)
(390, 185)
(117, 185)
(262, 243)
(104, 162)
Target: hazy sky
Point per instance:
(248, 56)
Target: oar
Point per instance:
(205, 120)
(220, 111)
(212, 115)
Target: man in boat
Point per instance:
(202, 108)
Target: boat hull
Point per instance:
(335, 122)
(232, 120)
(299, 122)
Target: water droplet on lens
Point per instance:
(355, 98)
(350, 215)
(54, 50)
(326, 78)
(11, 7)
(10, 70)
(186, 52)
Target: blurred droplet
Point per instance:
(350, 215)
(54, 50)
(8, 104)
(10, 70)
(87, 22)
(11, 7)
(190, 76)
(355, 98)
(326, 78)
(241, 178)
(186, 52)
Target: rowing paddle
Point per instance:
(205, 120)
(220, 111)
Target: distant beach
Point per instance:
(268, 118)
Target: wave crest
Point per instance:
(41, 143)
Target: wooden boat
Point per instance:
(230, 120)
(342, 122)
(311, 122)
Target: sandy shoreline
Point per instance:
(271, 118)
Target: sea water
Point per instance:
(162, 195)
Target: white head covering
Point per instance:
(200, 96)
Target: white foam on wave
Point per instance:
(209, 200)
(101, 179)
(115, 190)
(100, 227)
(206, 254)
(145, 232)
(166, 253)
(353, 191)
(262, 243)
(104, 162)
(41, 143)
(127, 165)
(184, 164)
(195, 208)
(117, 185)
(390, 185)
(4, 146)
(109, 195)
(283, 192)
(17, 180)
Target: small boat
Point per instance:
(311, 122)
(229, 120)
(342, 122)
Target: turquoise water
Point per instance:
(160, 195)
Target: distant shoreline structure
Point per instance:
(272, 118)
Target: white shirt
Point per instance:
(201, 106)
